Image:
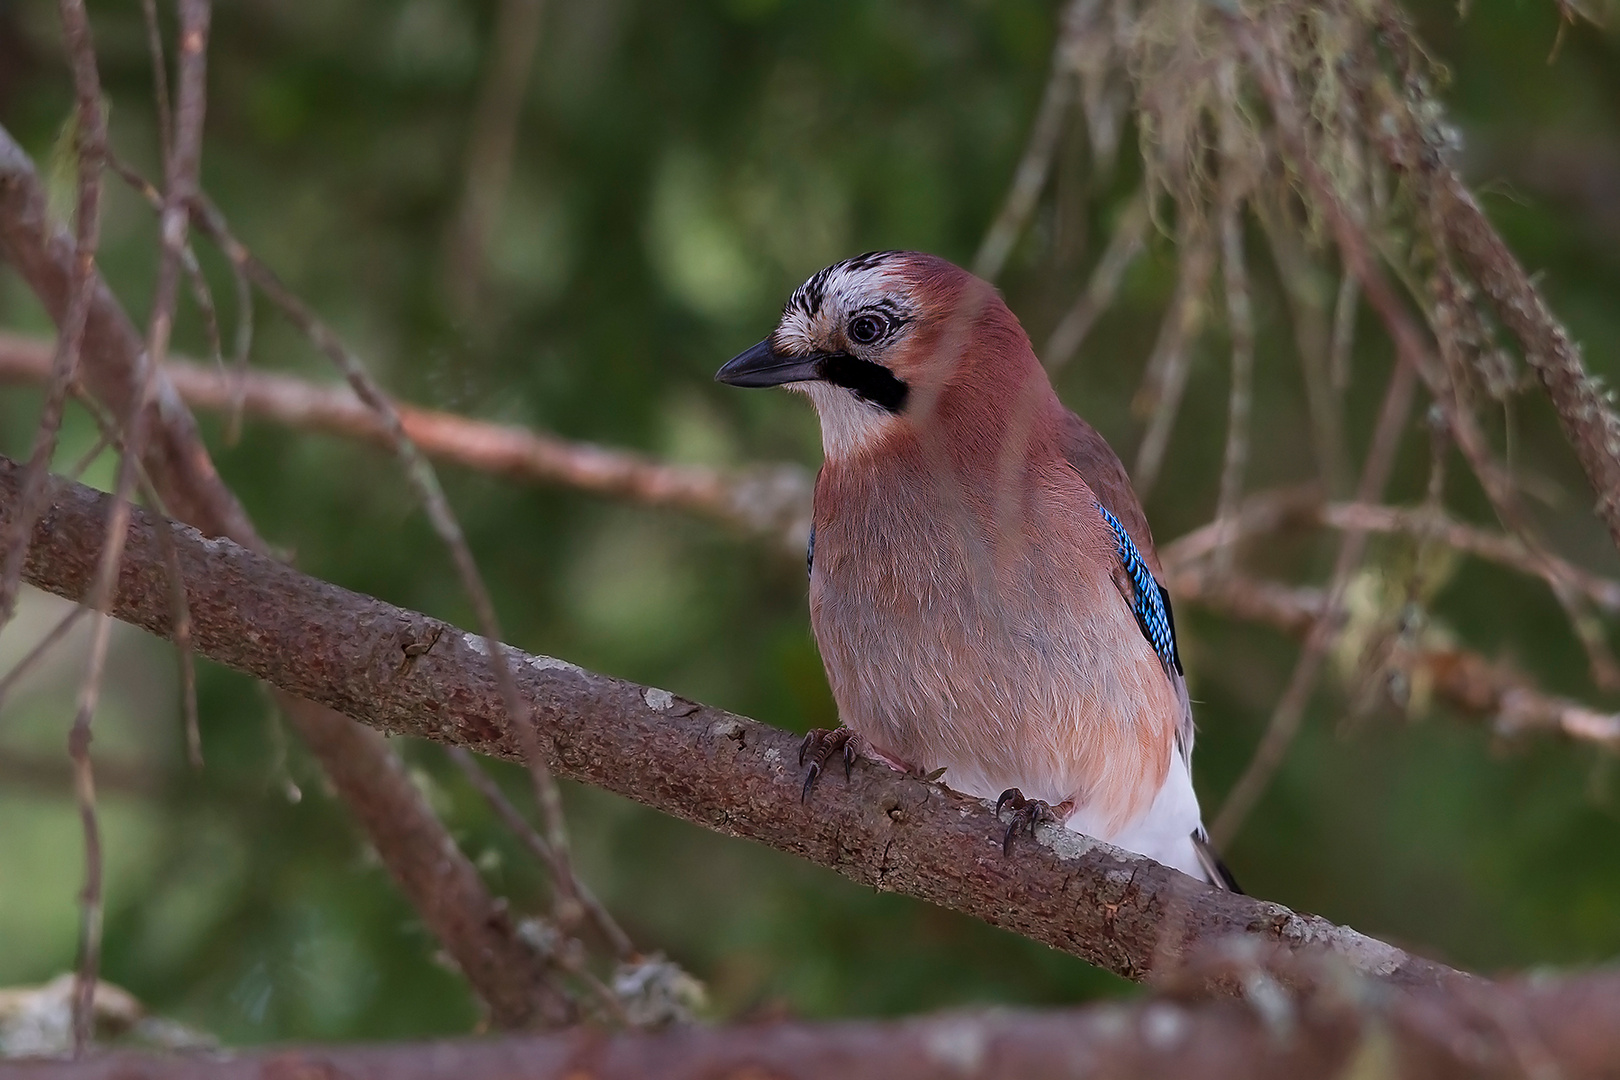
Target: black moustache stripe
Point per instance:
(866, 380)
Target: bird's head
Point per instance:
(875, 340)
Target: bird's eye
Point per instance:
(866, 329)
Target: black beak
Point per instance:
(760, 366)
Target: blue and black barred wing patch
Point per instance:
(1150, 602)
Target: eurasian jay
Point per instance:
(983, 584)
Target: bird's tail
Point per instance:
(1214, 869)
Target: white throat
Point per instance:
(849, 426)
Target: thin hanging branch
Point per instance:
(180, 182)
(515, 982)
(90, 151)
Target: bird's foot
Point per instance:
(819, 747)
(822, 744)
(1027, 813)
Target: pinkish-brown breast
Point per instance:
(965, 628)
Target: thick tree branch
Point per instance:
(404, 673)
(1568, 1028)
(423, 859)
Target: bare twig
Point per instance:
(182, 638)
(50, 773)
(514, 820)
(425, 481)
(183, 156)
(1240, 323)
(180, 180)
(566, 952)
(1030, 176)
(160, 79)
(489, 151)
(1267, 512)
(1126, 243)
(111, 436)
(84, 792)
(1236, 183)
(1167, 368)
(1344, 330)
(1290, 710)
(1410, 357)
(1315, 343)
(92, 148)
(242, 348)
(1464, 680)
(41, 649)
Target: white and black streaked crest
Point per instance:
(808, 298)
(864, 283)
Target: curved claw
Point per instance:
(809, 780)
(1012, 831)
(818, 748)
(1027, 813)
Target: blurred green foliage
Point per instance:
(679, 168)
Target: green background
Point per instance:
(680, 167)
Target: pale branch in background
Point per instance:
(1463, 679)
(1269, 512)
(407, 674)
(771, 500)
